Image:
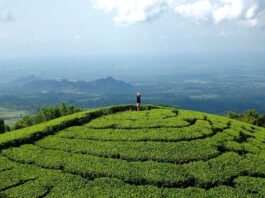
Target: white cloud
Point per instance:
(198, 10)
(258, 20)
(128, 12)
(231, 9)
(251, 11)
(132, 11)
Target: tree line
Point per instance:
(250, 116)
(42, 115)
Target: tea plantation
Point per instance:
(119, 152)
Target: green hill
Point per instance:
(119, 152)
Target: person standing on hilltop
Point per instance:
(138, 100)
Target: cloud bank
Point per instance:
(132, 11)
(127, 12)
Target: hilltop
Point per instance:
(119, 152)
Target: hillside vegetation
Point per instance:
(119, 152)
(45, 114)
(250, 116)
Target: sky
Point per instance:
(67, 28)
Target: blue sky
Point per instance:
(51, 28)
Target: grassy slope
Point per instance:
(115, 152)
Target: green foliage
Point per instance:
(45, 114)
(7, 128)
(250, 116)
(32, 133)
(134, 120)
(260, 120)
(25, 121)
(233, 115)
(118, 152)
(251, 185)
(199, 130)
(3, 127)
(179, 152)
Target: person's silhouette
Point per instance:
(138, 100)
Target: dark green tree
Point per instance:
(45, 114)
(26, 121)
(2, 126)
(261, 120)
(72, 109)
(7, 128)
(232, 115)
(63, 109)
(249, 116)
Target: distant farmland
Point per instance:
(11, 115)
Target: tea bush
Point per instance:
(119, 152)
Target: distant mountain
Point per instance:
(24, 80)
(110, 84)
(32, 84)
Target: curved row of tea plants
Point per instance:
(157, 152)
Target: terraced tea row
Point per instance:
(32, 181)
(199, 130)
(214, 172)
(158, 152)
(144, 119)
(180, 152)
(18, 180)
